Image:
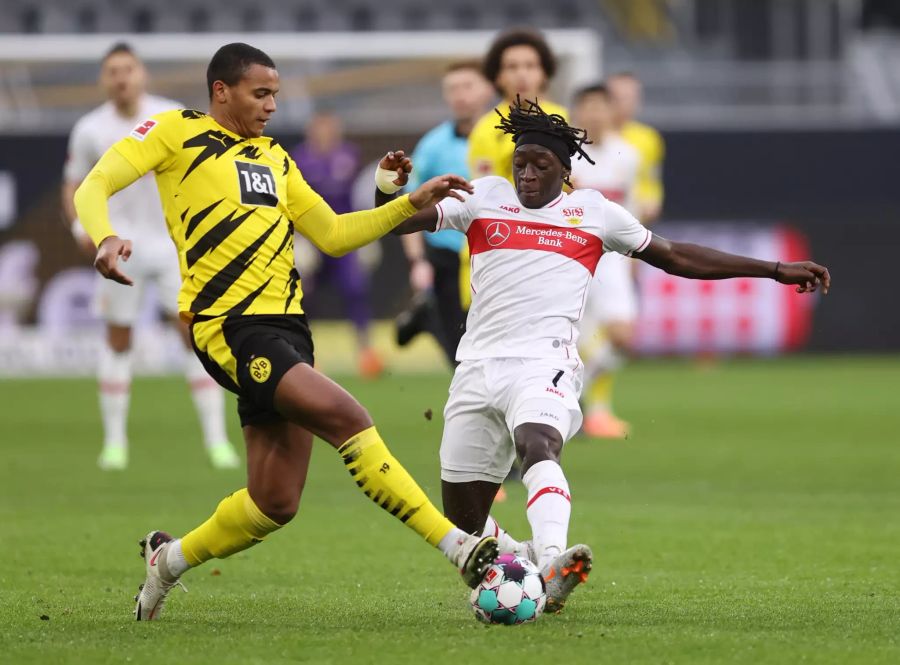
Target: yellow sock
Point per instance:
(237, 524)
(387, 483)
(600, 393)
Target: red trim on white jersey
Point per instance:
(487, 234)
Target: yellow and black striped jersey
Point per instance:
(230, 204)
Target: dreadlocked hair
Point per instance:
(527, 116)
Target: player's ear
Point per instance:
(219, 92)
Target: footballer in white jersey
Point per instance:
(138, 215)
(612, 308)
(534, 250)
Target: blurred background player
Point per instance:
(607, 330)
(626, 94)
(518, 62)
(138, 213)
(330, 165)
(435, 257)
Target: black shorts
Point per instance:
(249, 354)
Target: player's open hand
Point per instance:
(107, 259)
(440, 187)
(808, 276)
(399, 163)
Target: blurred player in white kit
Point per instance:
(138, 213)
(607, 330)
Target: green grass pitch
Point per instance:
(754, 517)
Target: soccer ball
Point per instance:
(511, 592)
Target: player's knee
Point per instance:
(279, 505)
(119, 339)
(346, 421)
(537, 445)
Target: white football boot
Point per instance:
(474, 556)
(564, 573)
(152, 593)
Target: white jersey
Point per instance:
(531, 267)
(614, 172)
(135, 212)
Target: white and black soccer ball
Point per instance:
(512, 592)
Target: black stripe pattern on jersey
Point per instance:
(242, 306)
(196, 219)
(214, 236)
(214, 144)
(295, 279)
(216, 287)
(288, 237)
(250, 152)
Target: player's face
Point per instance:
(594, 113)
(251, 102)
(467, 93)
(521, 73)
(122, 77)
(538, 175)
(625, 93)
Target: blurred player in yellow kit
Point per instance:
(519, 63)
(626, 94)
(645, 202)
(233, 199)
(611, 307)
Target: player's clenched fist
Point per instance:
(808, 276)
(440, 187)
(399, 163)
(107, 259)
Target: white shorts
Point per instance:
(490, 398)
(151, 262)
(612, 296)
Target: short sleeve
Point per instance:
(79, 158)
(458, 215)
(151, 145)
(301, 197)
(622, 232)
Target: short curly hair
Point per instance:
(517, 37)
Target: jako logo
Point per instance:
(511, 209)
(555, 391)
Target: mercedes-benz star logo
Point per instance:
(497, 233)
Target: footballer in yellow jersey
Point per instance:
(520, 64)
(233, 199)
(626, 94)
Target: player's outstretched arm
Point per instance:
(338, 234)
(699, 262)
(437, 188)
(112, 173)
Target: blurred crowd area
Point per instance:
(779, 118)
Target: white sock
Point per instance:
(209, 400)
(176, 564)
(548, 509)
(451, 543)
(114, 377)
(508, 544)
